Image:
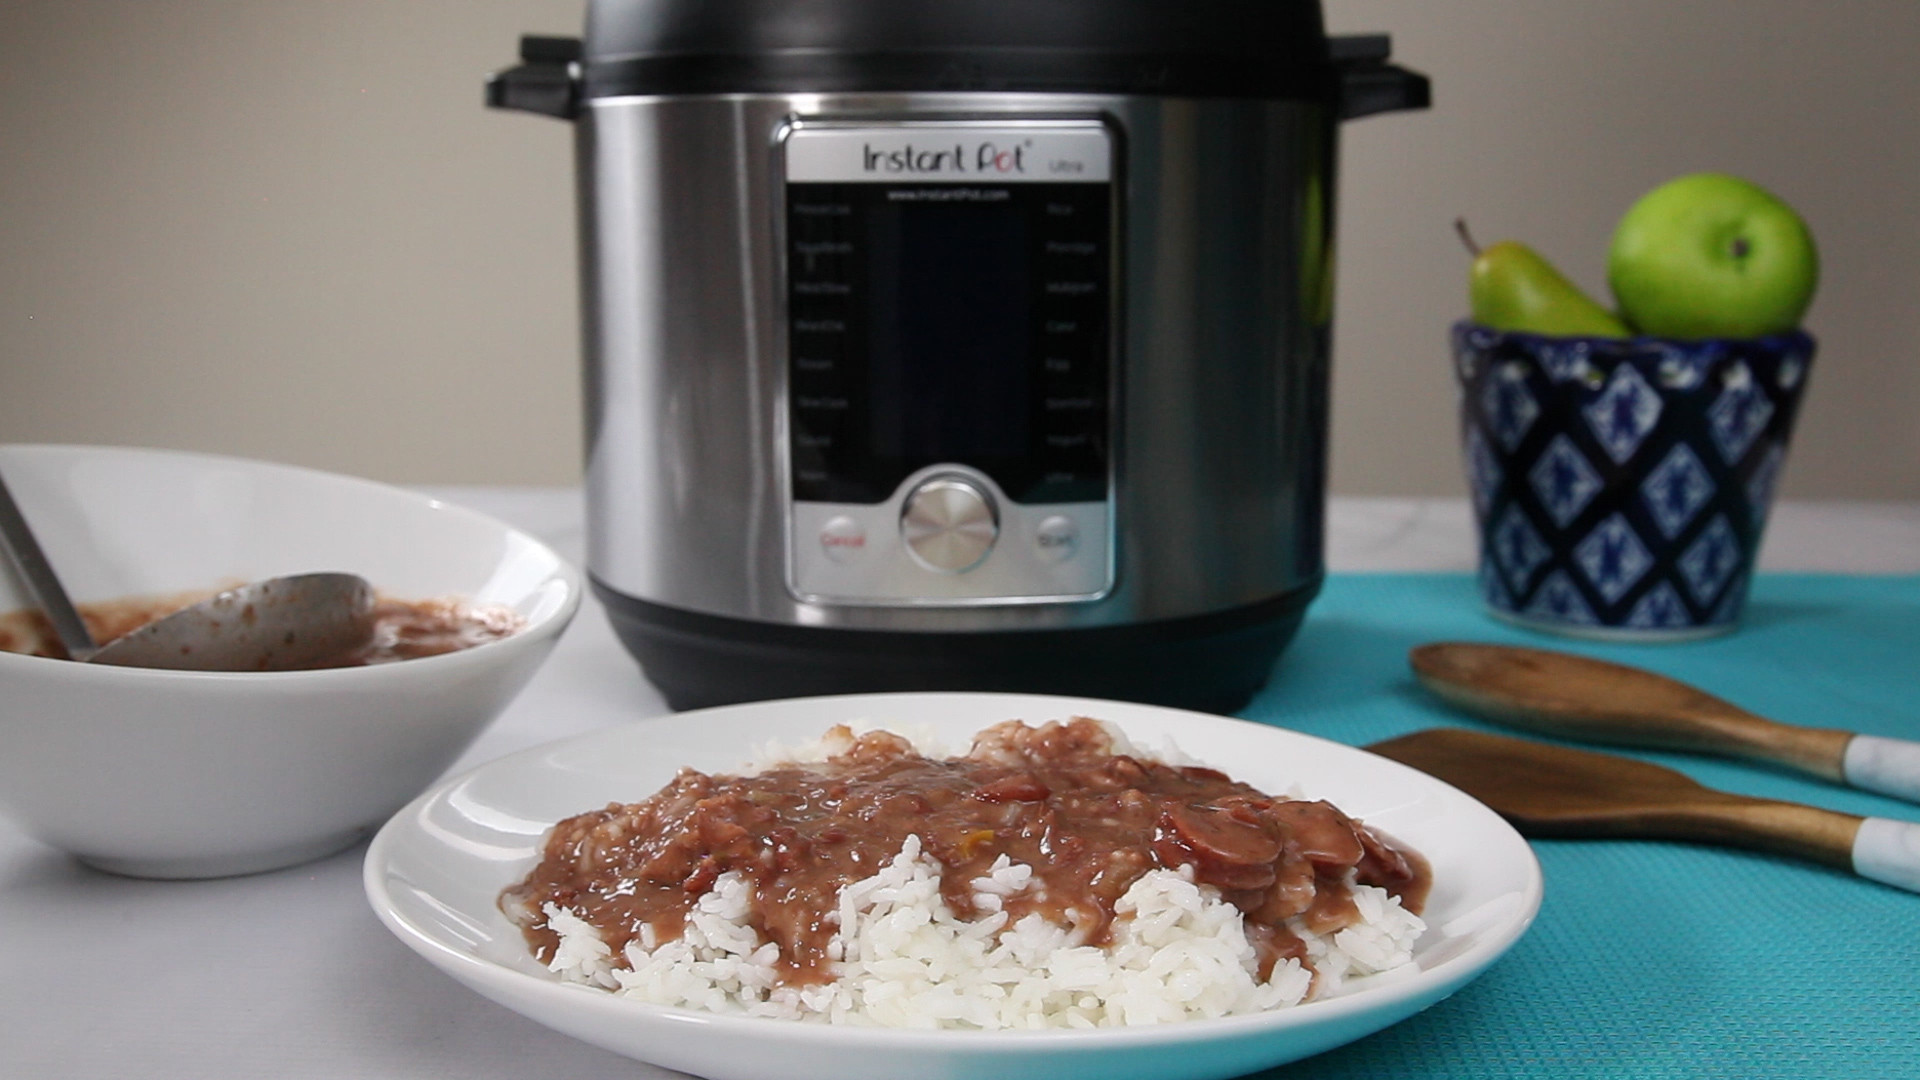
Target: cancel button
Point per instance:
(843, 539)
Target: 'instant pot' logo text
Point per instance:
(985, 158)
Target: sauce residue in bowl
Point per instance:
(402, 629)
(410, 629)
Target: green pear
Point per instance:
(1514, 288)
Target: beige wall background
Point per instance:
(291, 231)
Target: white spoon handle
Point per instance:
(1883, 765)
(1888, 851)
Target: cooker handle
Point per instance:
(1368, 84)
(545, 82)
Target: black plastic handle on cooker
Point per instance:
(1368, 84)
(545, 82)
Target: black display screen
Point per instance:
(935, 324)
(949, 330)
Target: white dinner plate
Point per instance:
(436, 869)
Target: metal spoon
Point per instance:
(280, 624)
(25, 554)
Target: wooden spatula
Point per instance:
(1555, 791)
(1577, 697)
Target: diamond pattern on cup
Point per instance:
(1710, 561)
(1765, 475)
(1493, 588)
(1676, 489)
(1483, 471)
(1612, 558)
(1559, 598)
(1624, 414)
(1563, 480)
(1565, 361)
(1660, 609)
(1466, 363)
(1623, 407)
(1518, 549)
(1739, 414)
(1683, 369)
(1476, 338)
(1507, 404)
(1731, 603)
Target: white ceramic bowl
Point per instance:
(199, 774)
(435, 872)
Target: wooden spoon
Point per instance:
(1577, 697)
(1556, 791)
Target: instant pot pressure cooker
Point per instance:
(956, 344)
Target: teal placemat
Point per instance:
(1656, 960)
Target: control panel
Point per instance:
(949, 377)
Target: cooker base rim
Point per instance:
(1213, 662)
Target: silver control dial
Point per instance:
(949, 524)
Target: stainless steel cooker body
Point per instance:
(951, 346)
(1220, 363)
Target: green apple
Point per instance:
(1712, 255)
(1513, 287)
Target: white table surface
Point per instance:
(289, 974)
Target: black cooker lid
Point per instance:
(1255, 48)
(1184, 48)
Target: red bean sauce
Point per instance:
(410, 629)
(1090, 822)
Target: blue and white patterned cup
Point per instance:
(1621, 487)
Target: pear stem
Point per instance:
(1460, 226)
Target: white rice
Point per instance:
(901, 958)
(840, 738)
